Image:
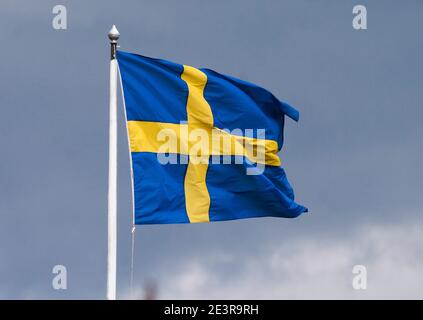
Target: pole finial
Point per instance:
(113, 34)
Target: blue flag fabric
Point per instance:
(173, 109)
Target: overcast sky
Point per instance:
(354, 158)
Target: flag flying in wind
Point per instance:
(204, 146)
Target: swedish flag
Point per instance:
(204, 146)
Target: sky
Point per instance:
(354, 158)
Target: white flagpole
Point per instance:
(112, 195)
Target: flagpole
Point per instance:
(112, 193)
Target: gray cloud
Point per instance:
(306, 268)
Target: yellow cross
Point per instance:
(145, 136)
